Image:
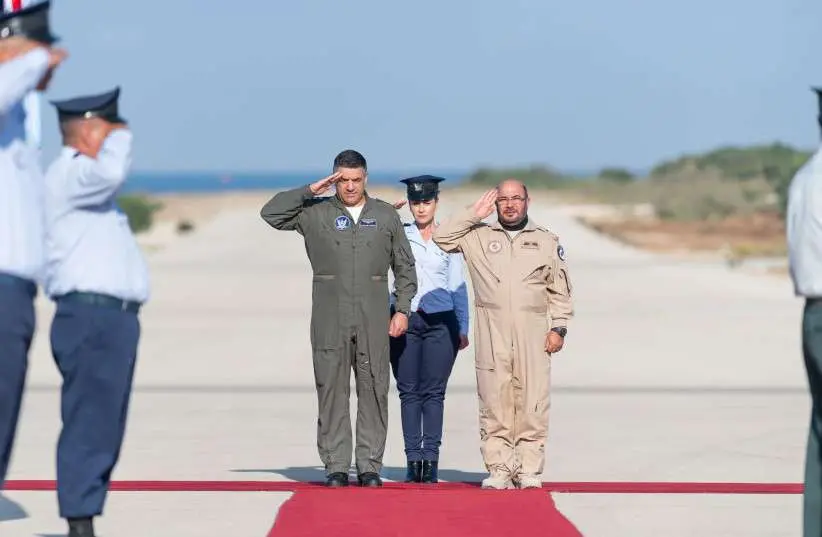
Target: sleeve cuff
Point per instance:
(120, 136)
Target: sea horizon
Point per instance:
(185, 182)
(192, 181)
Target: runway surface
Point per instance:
(673, 371)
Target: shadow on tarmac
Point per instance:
(316, 474)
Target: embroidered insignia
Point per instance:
(530, 244)
(494, 247)
(342, 222)
(561, 252)
(368, 222)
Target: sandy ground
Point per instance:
(674, 370)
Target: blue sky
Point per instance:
(265, 85)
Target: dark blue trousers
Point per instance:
(422, 360)
(95, 349)
(17, 323)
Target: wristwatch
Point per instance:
(561, 330)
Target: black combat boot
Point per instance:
(80, 527)
(337, 479)
(429, 471)
(414, 472)
(370, 479)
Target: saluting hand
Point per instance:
(486, 204)
(399, 203)
(322, 186)
(553, 342)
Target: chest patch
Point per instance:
(530, 245)
(342, 222)
(368, 222)
(494, 247)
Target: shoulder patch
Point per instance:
(561, 252)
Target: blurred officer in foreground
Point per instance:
(422, 358)
(97, 276)
(522, 306)
(804, 234)
(352, 240)
(27, 61)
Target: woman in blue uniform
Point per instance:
(423, 357)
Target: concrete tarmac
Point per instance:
(673, 370)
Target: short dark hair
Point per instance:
(350, 159)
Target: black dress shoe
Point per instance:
(370, 479)
(337, 479)
(414, 472)
(80, 527)
(429, 471)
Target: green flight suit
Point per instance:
(350, 314)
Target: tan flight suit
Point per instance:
(521, 290)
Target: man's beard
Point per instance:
(515, 227)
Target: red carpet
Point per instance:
(420, 513)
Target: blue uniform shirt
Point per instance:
(440, 282)
(89, 244)
(21, 178)
(804, 228)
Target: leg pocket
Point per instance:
(485, 340)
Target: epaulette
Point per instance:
(548, 231)
(76, 154)
(406, 224)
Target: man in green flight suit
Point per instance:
(351, 240)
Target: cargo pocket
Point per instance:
(483, 333)
(565, 280)
(324, 313)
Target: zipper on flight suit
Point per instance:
(354, 265)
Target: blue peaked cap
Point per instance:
(422, 187)
(103, 106)
(31, 22)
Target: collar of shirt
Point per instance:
(70, 152)
(414, 235)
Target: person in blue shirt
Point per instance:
(422, 358)
(98, 278)
(28, 59)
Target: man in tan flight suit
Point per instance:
(522, 296)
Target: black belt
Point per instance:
(96, 299)
(10, 280)
(435, 313)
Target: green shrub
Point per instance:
(616, 175)
(707, 196)
(140, 211)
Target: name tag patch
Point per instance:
(368, 222)
(533, 245)
(342, 222)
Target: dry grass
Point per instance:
(736, 237)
